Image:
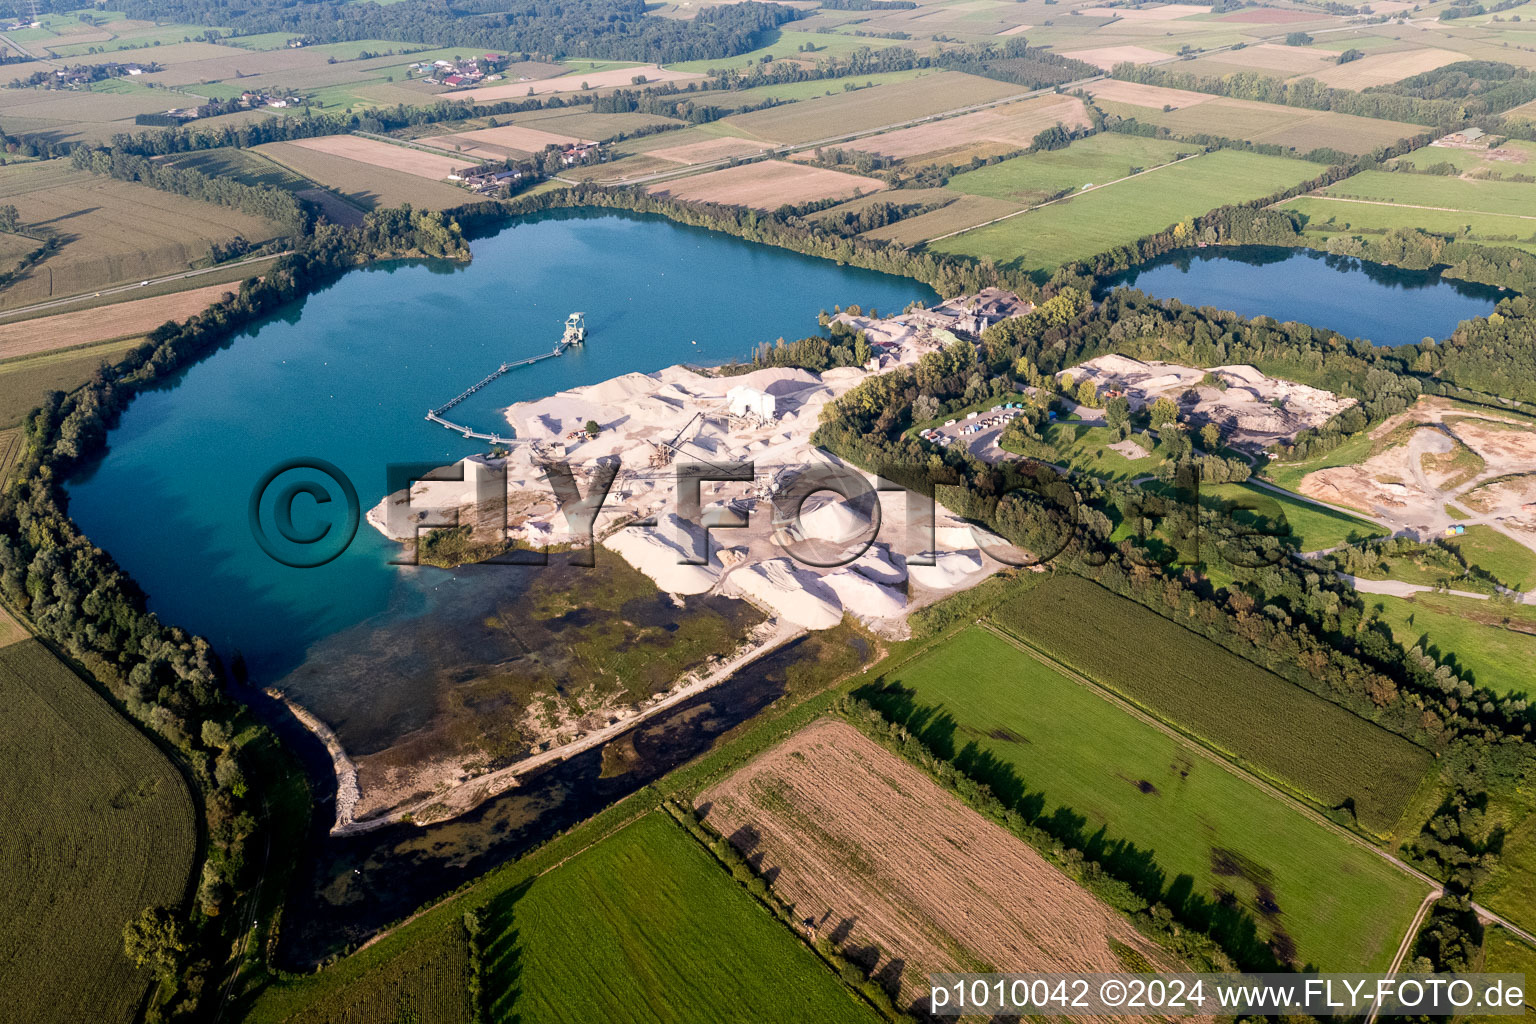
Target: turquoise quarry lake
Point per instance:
(1386, 305)
(347, 375)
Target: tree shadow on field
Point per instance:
(1230, 924)
(501, 966)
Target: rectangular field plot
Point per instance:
(768, 185)
(1327, 217)
(1324, 754)
(111, 232)
(663, 933)
(1012, 126)
(1512, 157)
(1293, 127)
(367, 185)
(869, 109)
(863, 843)
(1097, 159)
(104, 323)
(1098, 220)
(1386, 68)
(384, 154)
(1504, 198)
(577, 81)
(965, 212)
(108, 829)
(1219, 845)
(1493, 647)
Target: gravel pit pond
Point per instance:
(1387, 305)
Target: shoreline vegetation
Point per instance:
(174, 684)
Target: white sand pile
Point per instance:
(880, 565)
(657, 552)
(793, 594)
(831, 520)
(951, 569)
(863, 596)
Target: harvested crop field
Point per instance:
(1014, 126)
(110, 232)
(768, 185)
(102, 826)
(103, 323)
(892, 103)
(707, 150)
(964, 213)
(574, 82)
(384, 154)
(499, 143)
(1385, 68)
(367, 185)
(907, 877)
(1154, 96)
(1107, 57)
(1294, 60)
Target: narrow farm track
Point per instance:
(1402, 951)
(1482, 912)
(1412, 206)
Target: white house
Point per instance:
(745, 401)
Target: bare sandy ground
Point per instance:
(1385, 68)
(709, 149)
(104, 323)
(384, 154)
(902, 874)
(1154, 96)
(570, 83)
(1408, 483)
(768, 185)
(1107, 57)
(1015, 124)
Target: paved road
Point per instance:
(70, 300)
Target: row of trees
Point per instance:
(274, 204)
(1379, 102)
(604, 29)
(171, 682)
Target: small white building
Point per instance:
(745, 401)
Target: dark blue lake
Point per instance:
(1387, 305)
(347, 374)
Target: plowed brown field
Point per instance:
(904, 876)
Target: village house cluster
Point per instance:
(461, 72)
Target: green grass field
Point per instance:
(664, 934)
(1290, 474)
(242, 165)
(1505, 954)
(1471, 160)
(1314, 527)
(1096, 159)
(1094, 222)
(1327, 217)
(1509, 198)
(1323, 753)
(1124, 781)
(1086, 448)
(101, 827)
(1470, 633)
(1511, 563)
